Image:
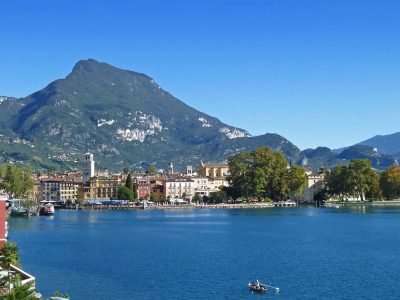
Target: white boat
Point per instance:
(46, 209)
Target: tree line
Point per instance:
(16, 180)
(263, 173)
(359, 180)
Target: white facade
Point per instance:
(314, 185)
(178, 188)
(88, 167)
(206, 185)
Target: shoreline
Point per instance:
(365, 203)
(233, 206)
(188, 206)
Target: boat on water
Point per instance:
(46, 208)
(258, 287)
(145, 204)
(17, 209)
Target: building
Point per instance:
(206, 185)
(88, 167)
(101, 188)
(179, 187)
(3, 220)
(35, 193)
(59, 189)
(213, 170)
(157, 189)
(189, 171)
(314, 185)
(143, 188)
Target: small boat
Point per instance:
(46, 209)
(145, 204)
(17, 209)
(19, 212)
(257, 287)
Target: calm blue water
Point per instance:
(309, 253)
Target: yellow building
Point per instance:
(101, 188)
(213, 170)
(59, 189)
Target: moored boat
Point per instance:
(19, 212)
(17, 209)
(46, 209)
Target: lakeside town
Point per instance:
(257, 179)
(194, 186)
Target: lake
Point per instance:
(309, 253)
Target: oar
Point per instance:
(272, 287)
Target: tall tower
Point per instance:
(88, 167)
(171, 168)
(189, 171)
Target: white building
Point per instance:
(314, 185)
(179, 187)
(206, 185)
(88, 167)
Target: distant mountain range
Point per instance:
(127, 120)
(386, 144)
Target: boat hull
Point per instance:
(46, 210)
(261, 288)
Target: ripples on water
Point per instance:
(309, 253)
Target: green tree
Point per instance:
(16, 180)
(296, 179)
(359, 177)
(125, 193)
(239, 167)
(390, 182)
(197, 198)
(152, 170)
(153, 196)
(9, 254)
(375, 191)
(19, 291)
(336, 182)
(131, 186)
(218, 197)
(264, 173)
(278, 188)
(128, 182)
(135, 193)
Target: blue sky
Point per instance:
(317, 72)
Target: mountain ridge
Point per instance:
(127, 120)
(124, 117)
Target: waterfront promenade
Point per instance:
(190, 206)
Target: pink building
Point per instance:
(3, 220)
(179, 187)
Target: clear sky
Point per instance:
(317, 72)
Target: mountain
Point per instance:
(320, 157)
(326, 157)
(386, 144)
(125, 118)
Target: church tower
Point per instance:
(88, 167)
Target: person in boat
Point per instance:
(257, 284)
